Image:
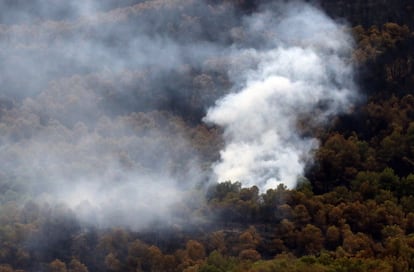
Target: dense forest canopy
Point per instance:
(186, 135)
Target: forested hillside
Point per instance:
(119, 118)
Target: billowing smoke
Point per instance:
(101, 102)
(302, 72)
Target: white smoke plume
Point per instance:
(301, 70)
(97, 100)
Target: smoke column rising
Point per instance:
(303, 70)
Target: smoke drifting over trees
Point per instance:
(84, 122)
(188, 135)
(99, 108)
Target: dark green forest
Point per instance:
(352, 211)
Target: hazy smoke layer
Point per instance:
(301, 72)
(92, 106)
(101, 101)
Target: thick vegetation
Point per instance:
(354, 212)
